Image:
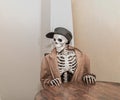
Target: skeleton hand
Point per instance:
(89, 79)
(55, 82)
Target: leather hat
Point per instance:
(60, 31)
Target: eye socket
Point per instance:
(60, 40)
(54, 39)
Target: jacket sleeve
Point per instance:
(45, 76)
(87, 65)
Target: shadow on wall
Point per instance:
(45, 26)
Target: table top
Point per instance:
(70, 91)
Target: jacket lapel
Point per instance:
(54, 65)
(79, 70)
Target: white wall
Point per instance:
(61, 14)
(23, 25)
(19, 49)
(45, 26)
(54, 15)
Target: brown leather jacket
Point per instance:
(50, 71)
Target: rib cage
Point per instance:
(66, 62)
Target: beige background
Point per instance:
(97, 32)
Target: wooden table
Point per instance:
(100, 91)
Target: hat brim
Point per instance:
(50, 35)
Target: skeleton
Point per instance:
(67, 62)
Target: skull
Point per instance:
(59, 42)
